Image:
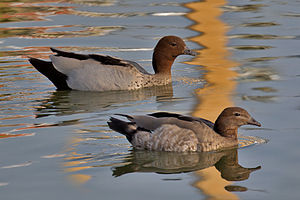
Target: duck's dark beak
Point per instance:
(187, 51)
(252, 121)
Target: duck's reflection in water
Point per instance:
(226, 162)
(71, 102)
(231, 170)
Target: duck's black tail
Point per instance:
(126, 128)
(47, 69)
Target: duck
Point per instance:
(164, 131)
(95, 72)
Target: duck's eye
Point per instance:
(237, 114)
(173, 44)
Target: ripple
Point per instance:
(169, 14)
(251, 47)
(75, 162)
(165, 4)
(257, 74)
(260, 24)
(45, 32)
(54, 156)
(111, 15)
(265, 89)
(190, 80)
(243, 8)
(128, 14)
(260, 36)
(262, 99)
(235, 188)
(261, 59)
(17, 165)
(247, 141)
(94, 2)
(3, 184)
(290, 14)
(292, 56)
(8, 135)
(28, 12)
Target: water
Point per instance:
(56, 145)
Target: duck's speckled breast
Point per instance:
(148, 80)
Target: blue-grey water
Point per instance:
(57, 145)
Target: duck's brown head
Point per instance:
(166, 51)
(231, 119)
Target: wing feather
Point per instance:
(94, 76)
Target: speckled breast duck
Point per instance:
(164, 131)
(72, 71)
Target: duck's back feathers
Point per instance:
(69, 54)
(68, 70)
(103, 59)
(182, 117)
(154, 120)
(166, 114)
(98, 73)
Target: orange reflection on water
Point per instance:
(79, 179)
(29, 10)
(219, 77)
(216, 95)
(36, 10)
(73, 161)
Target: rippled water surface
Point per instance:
(57, 145)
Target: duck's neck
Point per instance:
(226, 131)
(162, 64)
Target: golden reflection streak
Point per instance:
(71, 166)
(78, 179)
(216, 95)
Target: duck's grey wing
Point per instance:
(156, 120)
(69, 54)
(96, 72)
(138, 67)
(143, 121)
(207, 122)
(182, 117)
(103, 59)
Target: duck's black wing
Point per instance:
(47, 69)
